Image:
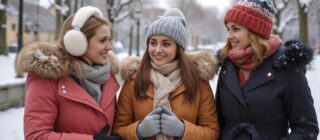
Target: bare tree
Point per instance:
(59, 19)
(62, 12)
(280, 6)
(3, 26)
(116, 10)
(303, 21)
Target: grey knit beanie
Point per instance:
(171, 24)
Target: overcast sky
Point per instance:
(220, 4)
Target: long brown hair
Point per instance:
(88, 29)
(189, 75)
(259, 46)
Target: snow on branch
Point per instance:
(63, 9)
(305, 2)
(286, 20)
(2, 6)
(122, 16)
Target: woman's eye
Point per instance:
(153, 43)
(236, 29)
(166, 44)
(102, 41)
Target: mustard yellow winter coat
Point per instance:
(199, 118)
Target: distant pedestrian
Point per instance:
(262, 90)
(167, 95)
(71, 88)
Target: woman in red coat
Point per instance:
(71, 88)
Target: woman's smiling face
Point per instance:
(162, 49)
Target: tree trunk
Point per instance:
(110, 4)
(69, 3)
(3, 30)
(138, 37)
(303, 20)
(277, 22)
(59, 20)
(130, 40)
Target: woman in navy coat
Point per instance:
(262, 90)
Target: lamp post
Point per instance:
(20, 27)
(20, 32)
(137, 17)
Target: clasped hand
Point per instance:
(161, 120)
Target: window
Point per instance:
(13, 27)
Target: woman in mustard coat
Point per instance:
(167, 95)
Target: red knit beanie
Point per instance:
(256, 15)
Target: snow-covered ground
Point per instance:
(11, 120)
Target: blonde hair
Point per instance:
(259, 46)
(88, 29)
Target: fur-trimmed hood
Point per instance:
(294, 53)
(204, 61)
(39, 58)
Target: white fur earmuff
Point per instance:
(74, 40)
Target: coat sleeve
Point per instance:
(300, 109)
(41, 110)
(124, 124)
(207, 127)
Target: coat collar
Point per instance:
(229, 75)
(259, 77)
(69, 89)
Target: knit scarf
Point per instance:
(166, 79)
(243, 58)
(93, 78)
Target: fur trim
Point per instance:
(295, 53)
(204, 61)
(40, 59)
(129, 66)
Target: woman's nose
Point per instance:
(158, 48)
(108, 46)
(229, 35)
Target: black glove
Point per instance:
(102, 135)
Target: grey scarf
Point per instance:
(93, 78)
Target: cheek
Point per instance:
(172, 53)
(150, 50)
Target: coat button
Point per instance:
(269, 74)
(64, 91)
(224, 72)
(63, 86)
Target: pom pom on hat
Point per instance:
(174, 12)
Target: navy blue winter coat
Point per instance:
(276, 97)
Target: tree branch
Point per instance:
(121, 6)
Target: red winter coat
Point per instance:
(58, 108)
